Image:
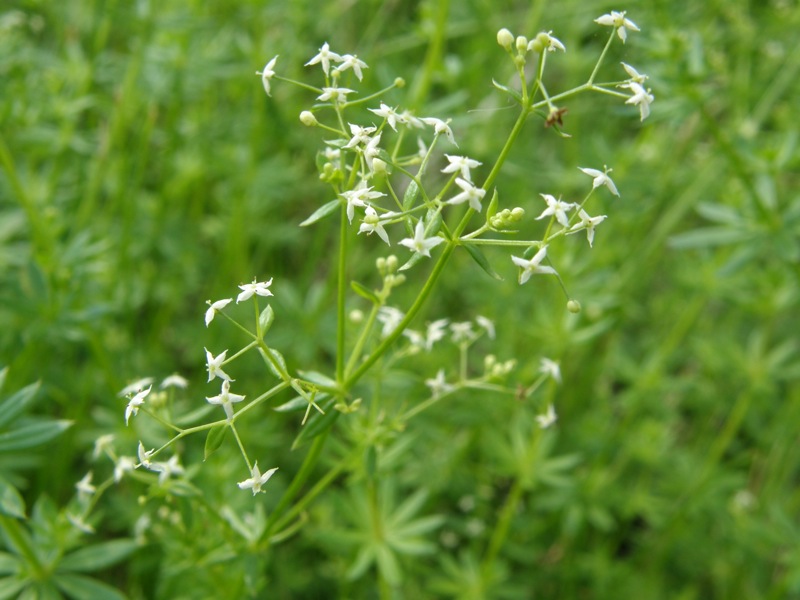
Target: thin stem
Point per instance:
(341, 296)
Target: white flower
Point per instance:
(419, 243)
(335, 94)
(641, 97)
(257, 480)
(462, 331)
(438, 386)
(588, 223)
(85, 487)
(267, 74)
(601, 178)
(550, 43)
(461, 163)
(634, 74)
(325, 56)
(136, 386)
(557, 208)
(469, 193)
(548, 418)
(408, 119)
(487, 325)
(551, 368)
(371, 152)
(134, 404)
(122, 466)
(225, 399)
(360, 196)
(214, 307)
(390, 317)
(144, 455)
(389, 114)
(261, 288)
(532, 266)
(174, 380)
(78, 522)
(618, 20)
(214, 366)
(167, 469)
(350, 61)
(435, 332)
(440, 127)
(360, 135)
(372, 224)
(102, 444)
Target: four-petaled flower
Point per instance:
(551, 368)
(85, 487)
(532, 266)
(390, 317)
(360, 135)
(372, 224)
(267, 74)
(601, 178)
(226, 399)
(144, 456)
(350, 61)
(641, 98)
(440, 127)
(360, 196)
(135, 403)
(487, 325)
(388, 113)
(325, 56)
(419, 243)
(335, 94)
(257, 480)
(548, 418)
(166, 469)
(469, 193)
(618, 20)
(214, 307)
(556, 208)
(634, 74)
(214, 366)
(260, 288)
(588, 223)
(462, 164)
(438, 386)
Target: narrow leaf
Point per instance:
(98, 556)
(410, 197)
(32, 435)
(81, 587)
(12, 406)
(482, 261)
(11, 502)
(513, 93)
(265, 319)
(364, 292)
(493, 203)
(317, 424)
(214, 439)
(322, 212)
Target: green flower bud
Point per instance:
(308, 119)
(505, 38)
(517, 214)
(574, 306)
(522, 44)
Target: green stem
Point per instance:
(341, 295)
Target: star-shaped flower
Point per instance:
(335, 94)
(325, 56)
(122, 466)
(588, 223)
(360, 135)
(419, 243)
(166, 469)
(174, 380)
(461, 163)
(267, 74)
(469, 193)
(548, 418)
(257, 480)
(556, 208)
(641, 98)
(214, 307)
(372, 224)
(226, 399)
(438, 386)
(360, 196)
(601, 178)
(634, 74)
(350, 61)
(85, 487)
(388, 113)
(390, 317)
(135, 403)
(551, 368)
(532, 266)
(550, 43)
(144, 455)
(618, 20)
(214, 366)
(440, 127)
(260, 288)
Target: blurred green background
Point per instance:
(144, 171)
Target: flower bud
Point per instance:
(399, 82)
(574, 306)
(522, 44)
(505, 38)
(378, 166)
(380, 263)
(356, 316)
(536, 45)
(517, 213)
(391, 263)
(308, 119)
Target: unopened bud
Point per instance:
(308, 119)
(399, 82)
(522, 44)
(574, 306)
(356, 316)
(391, 263)
(517, 213)
(380, 263)
(505, 38)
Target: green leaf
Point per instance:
(317, 424)
(12, 406)
(318, 378)
(214, 439)
(482, 261)
(322, 212)
(81, 587)
(493, 204)
(364, 292)
(265, 320)
(11, 502)
(32, 435)
(513, 93)
(10, 587)
(3, 373)
(388, 565)
(706, 237)
(278, 357)
(410, 197)
(98, 556)
(9, 564)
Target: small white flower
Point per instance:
(548, 418)
(641, 98)
(419, 243)
(214, 366)
(588, 223)
(85, 487)
(122, 466)
(618, 20)
(551, 368)
(487, 325)
(166, 469)
(136, 386)
(360, 196)
(372, 224)
(408, 119)
(144, 455)
(371, 152)
(532, 266)
(601, 178)
(174, 380)
(260, 288)
(267, 74)
(550, 43)
(556, 208)
(225, 399)
(461, 163)
(440, 127)
(78, 522)
(214, 307)
(390, 317)
(462, 331)
(257, 480)
(325, 56)
(350, 61)
(334, 94)
(469, 193)
(435, 332)
(388, 113)
(634, 74)
(102, 444)
(135, 403)
(360, 135)
(438, 386)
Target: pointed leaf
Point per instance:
(11, 502)
(319, 378)
(98, 556)
(364, 292)
(9, 564)
(265, 320)
(81, 587)
(32, 435)
(482, 261)
(410, 197)
(493, 203)
(322, 212)
(12, 406)
(277, 357)
(214, 439)
(317, 424)
(513, 93)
